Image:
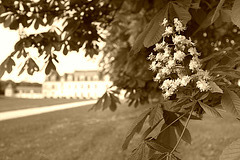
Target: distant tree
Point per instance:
(3, 85)
(179, 56)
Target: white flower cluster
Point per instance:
(168, 59)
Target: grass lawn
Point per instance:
(8, 103)
(76, 134)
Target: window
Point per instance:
(95, 78)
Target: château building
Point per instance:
(80, 84)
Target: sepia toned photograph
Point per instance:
(119, 79)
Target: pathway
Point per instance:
(34, 111)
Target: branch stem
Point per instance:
(185, 127)
(173, 122)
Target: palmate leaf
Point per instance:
(156, 115)
(168, 137)
(172, 10)
(139, 153)
(108, 100)
(153, 31)
(153, 144)
(216, 12)
(156, 30)
(186, 136)
(210, 110)
(136, 128)
(232, 152)
(235, 13)
(231, 102)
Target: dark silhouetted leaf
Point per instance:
(50, 66)
(232, 152)
(210, 110)
(32, 66)
(136, 128)
(113, 105)
(107, 101)
(10, 64)
(231, 102)
(2, 69)
(65, 50)
(14, 25)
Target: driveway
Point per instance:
(40, 110)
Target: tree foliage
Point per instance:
(132, 30)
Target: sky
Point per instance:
(67, 64)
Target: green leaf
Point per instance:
(113, 105)
(2, 69)
(236, 13)
(168, 137)
(50, 66)
(97, 105)
(10, 64)
(210, 110)
(2, 9)
(155, 29)
(65, 50)
(232, 152)
(231, 102)
(181, 12)
(139, 153)
(36, 24)
(226, 15)
(153, 144)
(170, 117)
(23, 69)
(14, 25)
(156, 115)
(208, 20)
(136, 128)
(186, 136)
(215, 88)
(219, 6)
(107, 101)
(32, 66)
(150, 129)
(8, 21)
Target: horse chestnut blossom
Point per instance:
(168, 61)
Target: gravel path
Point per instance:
(40, 110)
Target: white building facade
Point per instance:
(80, 84)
